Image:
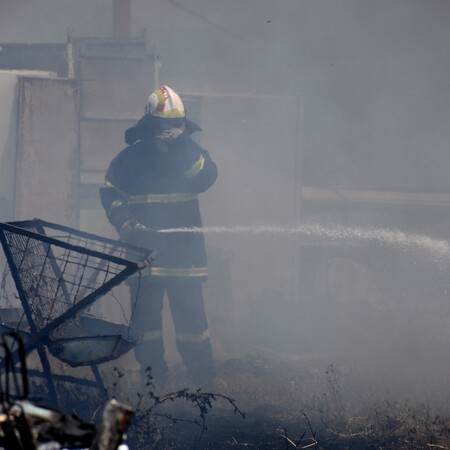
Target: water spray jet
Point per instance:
(394, 237)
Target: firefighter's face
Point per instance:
(168, 130)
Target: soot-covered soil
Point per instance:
(264, 404)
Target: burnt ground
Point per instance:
(262, 404)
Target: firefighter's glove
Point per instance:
(131, 228)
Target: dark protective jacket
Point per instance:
(159, 190)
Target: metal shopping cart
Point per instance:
(59, 272)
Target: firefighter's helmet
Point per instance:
(166, 103)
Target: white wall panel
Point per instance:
(8, 138)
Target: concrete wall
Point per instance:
(47, 159)
(259, 184)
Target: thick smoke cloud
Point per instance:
(372, 81)
(367, 84)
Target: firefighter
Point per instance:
(153, 185)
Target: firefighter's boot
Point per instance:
(197, 357)
(150, 356)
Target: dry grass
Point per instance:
(288, 405)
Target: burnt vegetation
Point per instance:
(259, 403)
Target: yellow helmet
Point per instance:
(166, 103)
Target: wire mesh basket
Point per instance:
(59, 272)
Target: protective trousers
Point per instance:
(186, 302)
